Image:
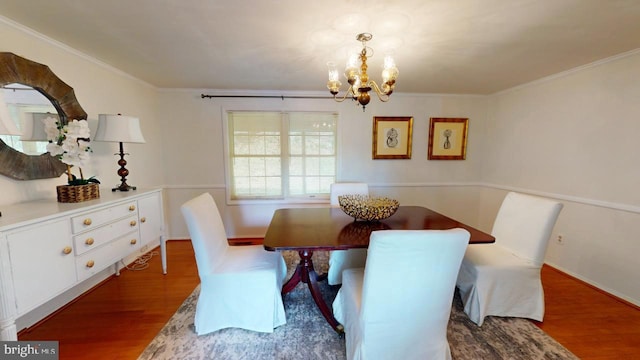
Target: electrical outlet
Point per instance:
(560, 239)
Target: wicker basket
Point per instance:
(77, 193)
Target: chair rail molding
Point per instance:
(575, 199)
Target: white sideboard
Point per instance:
(47, 247)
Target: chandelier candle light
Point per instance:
(359, 84)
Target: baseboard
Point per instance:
(235, 241)
(245, 241)
(592, 286)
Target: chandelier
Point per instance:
(356, 74)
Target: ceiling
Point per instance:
(440, 46)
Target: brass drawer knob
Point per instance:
(143, 219)
(133, 223)
(67, 250)
(90, 263)
(132, 208)
(133, 241)
(87, 221)
(89, 241)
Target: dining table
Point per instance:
(306, 230)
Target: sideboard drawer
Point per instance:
(92, 262)
(93, 239)
(95, 219)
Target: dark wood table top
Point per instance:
(330, 228)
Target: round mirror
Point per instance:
(17, 71)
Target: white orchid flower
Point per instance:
(54, 149)
(67, 144)
(83, 146)
(84, 158)
(70, 147)
(77, 129)
(71, 159)
(51, 128)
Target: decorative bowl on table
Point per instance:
(368, 208)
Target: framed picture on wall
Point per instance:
(392, 137)
(447, 138)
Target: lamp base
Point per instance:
(123, 187)
(123, 172)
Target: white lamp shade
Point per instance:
(33, 127)
(7, 126)
(118, 128)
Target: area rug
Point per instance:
(307, 335)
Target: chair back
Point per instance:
(352, 188)
(206, 229)
(524, 224)
(408, 286)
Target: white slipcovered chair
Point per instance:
(240, 286)
(345, 259)
(503, 278)
(398, 306)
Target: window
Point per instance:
(281, 155)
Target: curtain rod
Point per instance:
(266, 96)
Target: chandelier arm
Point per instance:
(338, 99)
(381, 95)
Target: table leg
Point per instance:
(294, 280)
(307, 274)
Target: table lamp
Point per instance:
(120, 129)
(33, 127)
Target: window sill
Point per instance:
(320, 201)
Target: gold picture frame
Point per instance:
(448, 138)
(392, 137)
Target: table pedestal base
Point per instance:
(307, 274)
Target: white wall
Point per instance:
(574, 137)
(196, 162)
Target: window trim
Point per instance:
(314, 200)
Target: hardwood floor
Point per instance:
(591, 323)
(117, 319)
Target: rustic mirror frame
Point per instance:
(16, 69)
